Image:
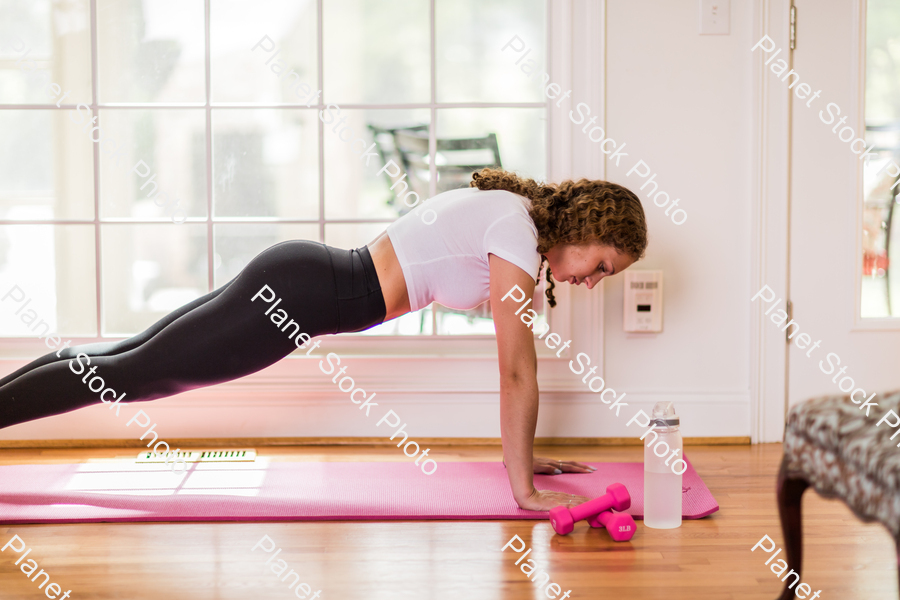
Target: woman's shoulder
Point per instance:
(494, 202)
(497, 194)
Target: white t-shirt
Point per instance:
(447, 261)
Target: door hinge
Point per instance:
(790, 317)
(793, 26)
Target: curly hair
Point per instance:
(575, 212)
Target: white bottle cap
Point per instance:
(664, 415)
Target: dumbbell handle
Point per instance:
(604, 517)
(592, 507)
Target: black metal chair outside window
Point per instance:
(456, 160)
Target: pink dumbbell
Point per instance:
(563, 519)
(620, 526)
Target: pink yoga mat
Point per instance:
(286, 491)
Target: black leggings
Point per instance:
(224, 335)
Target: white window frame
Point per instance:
(576, 47)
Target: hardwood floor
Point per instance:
(709, 559)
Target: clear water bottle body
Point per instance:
(662, 486)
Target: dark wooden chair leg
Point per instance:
(790, 496)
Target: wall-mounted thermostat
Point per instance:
(643, 300)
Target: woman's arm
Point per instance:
(518, 388)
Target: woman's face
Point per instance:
(585, 263)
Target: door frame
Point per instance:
(770, 107)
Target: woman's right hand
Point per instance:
(545, 500)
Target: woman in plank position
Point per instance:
(484, 241)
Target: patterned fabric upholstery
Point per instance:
(831, 443)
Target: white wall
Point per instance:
(681, 102)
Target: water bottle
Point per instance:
(662, 483)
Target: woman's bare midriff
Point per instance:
(390, 276)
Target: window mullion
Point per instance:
(98, 264)
(432, 131)
(320, 125)
(210, 239)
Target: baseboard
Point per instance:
(633, 441)
(194, 443)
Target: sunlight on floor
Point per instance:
(126, 478)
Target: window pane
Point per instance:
(376, 51)
(236, 245)
(354, 190)
(471, 67)
(881, 225)
(354, 235)
(160, 171)
(53, 267)
(413, 323)
(151, 51)
(46, 166)
(265, 163)
(284, 32)
(149, 271)
(469, 322)
(881, 234)
(52, 44)
(521, 139)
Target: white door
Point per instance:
(826, 211)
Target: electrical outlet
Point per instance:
(715, 17)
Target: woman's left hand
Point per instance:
(548, 466)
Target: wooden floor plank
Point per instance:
(708, 559)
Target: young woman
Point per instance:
(485, 240)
